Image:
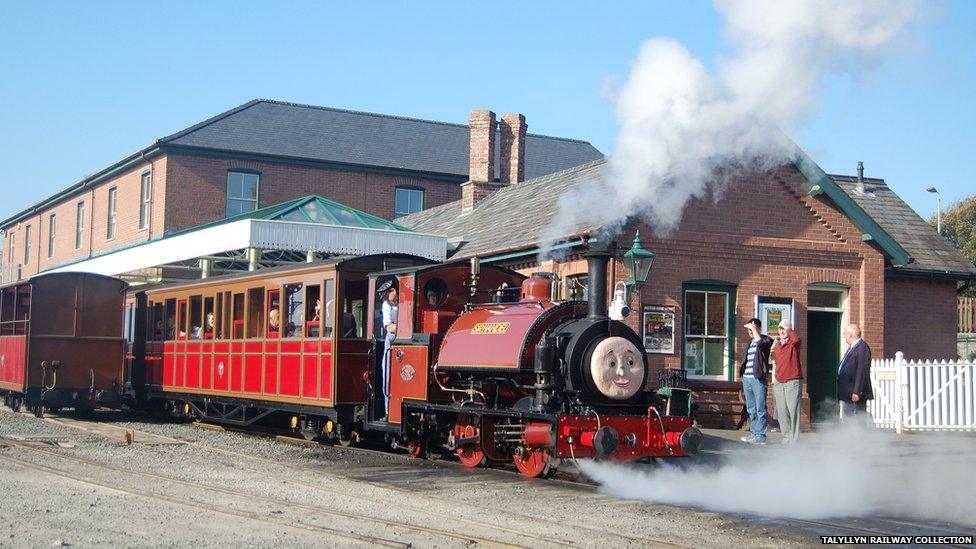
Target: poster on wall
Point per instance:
(659, 329)
(771, 311)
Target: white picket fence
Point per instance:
(923, 396)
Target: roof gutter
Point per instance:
(533, 251)
(968, 279)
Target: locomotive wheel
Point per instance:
(534, 463)
(471, 455)
(416, 450)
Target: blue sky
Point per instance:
(84, 83)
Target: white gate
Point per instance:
(920, 395)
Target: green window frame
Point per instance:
(709, 288)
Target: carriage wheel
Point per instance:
(39, 411)
(15, 403)
(534, 463)
(471, 455)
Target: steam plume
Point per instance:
(679, 122)
(851, 471)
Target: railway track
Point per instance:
(404, 496)
(302, 508)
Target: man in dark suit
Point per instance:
(854, 374)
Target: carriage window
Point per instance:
(238, 317)
(353, 304)
(329, 311)
(23, 310)
(170, 319)
(274, 313)
(209, 318)
(6, 312)
(156, 326)
(294, 310)
(196, 322)
(255, 312)
(313, 310)
(181, 312)
(220, 317)
(435, 291)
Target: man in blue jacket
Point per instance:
(753, 372)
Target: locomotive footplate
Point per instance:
(626, 438)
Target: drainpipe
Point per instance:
(253, 256)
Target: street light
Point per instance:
(938, 208)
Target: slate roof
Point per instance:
(326, 134)
(510, 219)
(931, 252)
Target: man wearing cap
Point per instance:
(787, 381)
(390, 312)
(753, 373)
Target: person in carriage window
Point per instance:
(389, 320)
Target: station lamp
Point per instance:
(637, 263)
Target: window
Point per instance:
(112, 196)
(408, 201)
(255, 312)
(13, 242)
(313, 310)
(242, 192)
(51, 231)
(27, 244)
(170, 319)
(708, 315)
(145, 199)
(237, 316)
(80, 225)
(294, 310)
(576, 287)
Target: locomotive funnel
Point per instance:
(596, 260)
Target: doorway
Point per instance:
(825, 316)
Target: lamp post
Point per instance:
(938, 208)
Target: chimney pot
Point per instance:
(512, 158)
(860, 177)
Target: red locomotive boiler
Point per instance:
(61, 342)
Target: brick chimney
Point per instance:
(512, 168)
(482, 147)
(481, 171)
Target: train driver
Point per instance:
(390, 312)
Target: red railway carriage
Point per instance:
(239, 348)
(61, 341)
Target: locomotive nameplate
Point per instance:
(490, 328)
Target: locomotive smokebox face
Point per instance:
(617, 368)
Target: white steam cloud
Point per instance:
(850, 471)
(679, 122)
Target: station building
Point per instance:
(792, 242)
(261, 154)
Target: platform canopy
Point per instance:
(298, 230)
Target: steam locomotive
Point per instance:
(484, 364)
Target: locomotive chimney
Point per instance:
(601, 250)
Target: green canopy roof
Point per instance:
(312, 209)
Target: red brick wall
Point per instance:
(921, 318)
(197, 189)
(94, 239)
